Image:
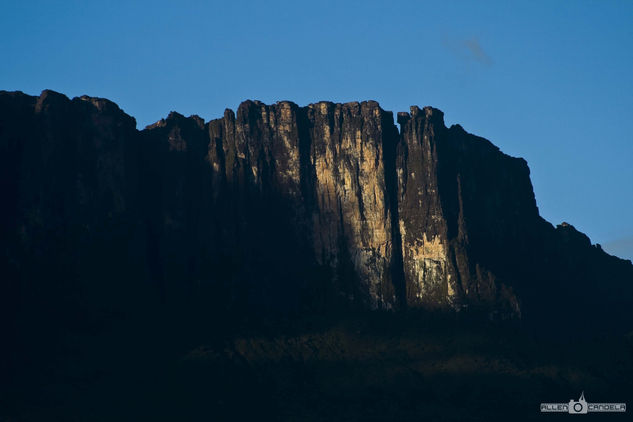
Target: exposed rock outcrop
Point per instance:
(280, 207)
(326, 163)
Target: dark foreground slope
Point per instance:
(377, 367)
(123, 251)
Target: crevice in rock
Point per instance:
(306, 168)
(391, 138)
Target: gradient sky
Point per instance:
(550, 81)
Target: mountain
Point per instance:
(288, 263)
(281, 208)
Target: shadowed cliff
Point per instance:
(280, 250)
(280, 208)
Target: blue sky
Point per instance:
(550, 81)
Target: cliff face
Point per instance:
(326, 164)
(280, 207)
(69, 186)
(462, 204)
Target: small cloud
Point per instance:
(477, 52)
(469, 50)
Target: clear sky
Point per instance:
(550, 81)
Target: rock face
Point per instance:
(325, 164)
(461, 204)
(280, 207)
